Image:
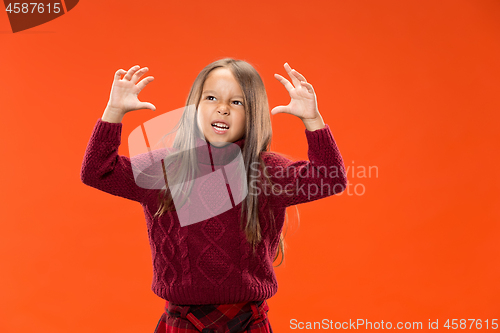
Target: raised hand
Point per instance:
(123, 97)
(303, 99)
(303, 102)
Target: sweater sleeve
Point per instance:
(301, 181)
(104, 169)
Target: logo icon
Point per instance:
(169, 151)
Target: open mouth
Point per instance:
(220, 127)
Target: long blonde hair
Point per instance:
(258, 134)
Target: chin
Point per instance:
(219, 143)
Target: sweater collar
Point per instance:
(210, 154)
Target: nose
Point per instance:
(222, 109)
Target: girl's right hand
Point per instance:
(123, 96)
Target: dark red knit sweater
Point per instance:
(211, 262)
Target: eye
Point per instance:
(241, 103)
(209, 97)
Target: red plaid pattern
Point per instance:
(225, 318)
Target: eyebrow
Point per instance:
(213, 92)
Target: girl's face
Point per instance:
(221, 113)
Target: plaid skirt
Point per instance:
(225, 318)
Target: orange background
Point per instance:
(406, 86)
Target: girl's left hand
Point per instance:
(303, 99)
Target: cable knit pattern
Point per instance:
(211, 262)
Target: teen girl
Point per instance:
(216, 275)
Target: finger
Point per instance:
(298, 75)
(279, 109)
(295, 81)
(131, 72)
(138, 74)
(118, 74)
(284, 82)
(144, 82)
(147, 105)
(308, 86)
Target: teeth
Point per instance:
(221, 125)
